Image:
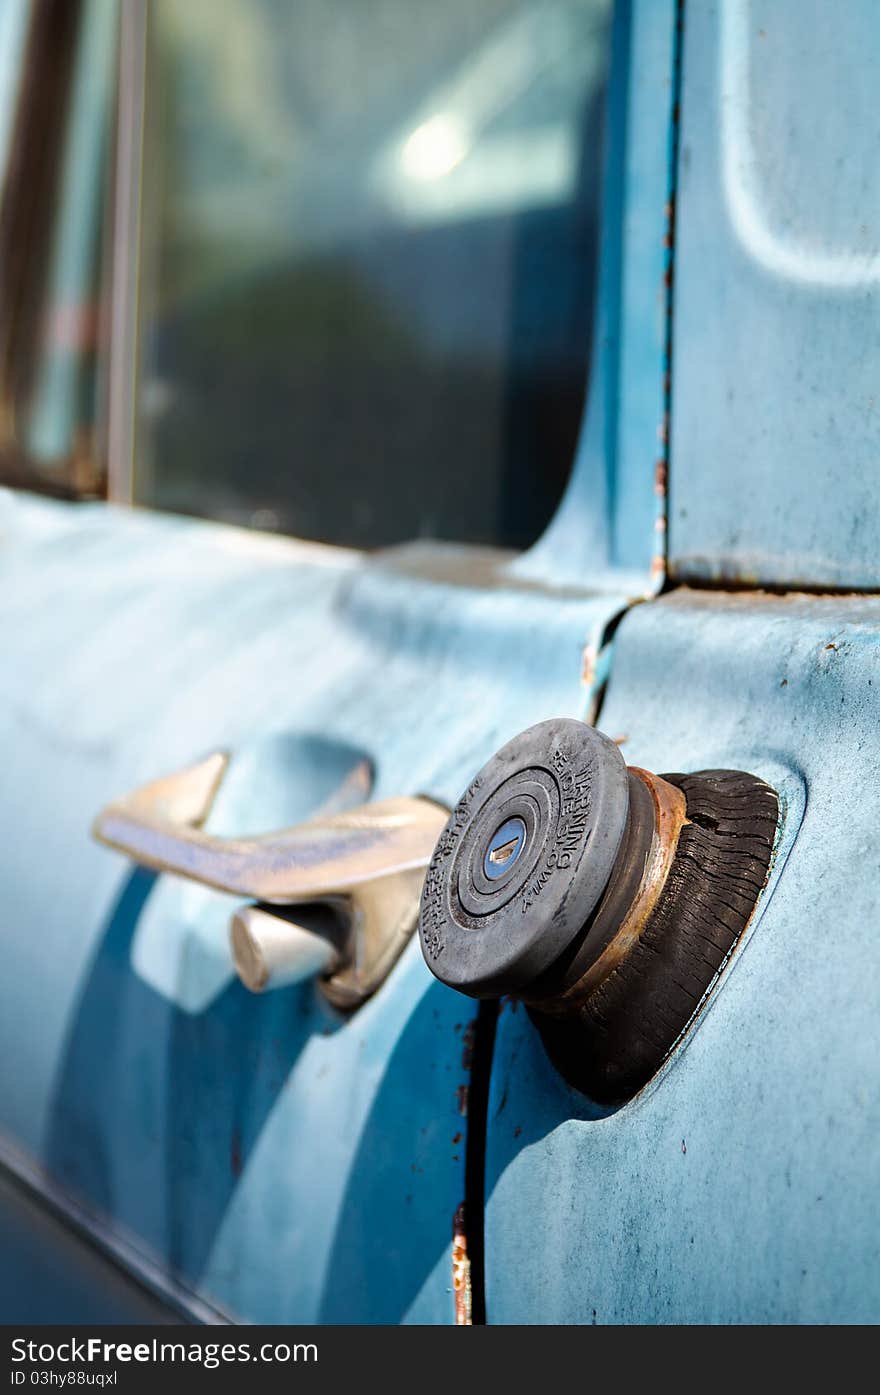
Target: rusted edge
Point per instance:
(670, 816)
(660, 562)
(461, 1271)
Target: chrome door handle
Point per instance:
(367, 863)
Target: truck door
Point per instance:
(386, 412)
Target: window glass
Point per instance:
(13, 24)
(56, 100)
(367, 263)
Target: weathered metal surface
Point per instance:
(320, 859)
(774, 412)
(610, 530)
(267, 1154)
(249, 1143)
(461, 1271)
(52, 1274)
(368, 860)
(271, 951)
(740, 1184)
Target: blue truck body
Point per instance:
(706, 593)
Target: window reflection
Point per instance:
(367, 262)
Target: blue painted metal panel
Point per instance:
(49, 1274)
(741, 1184)
(284, 1164)
(774, 417)
(287, 1164)
(610, 531)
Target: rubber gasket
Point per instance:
(612, 1045)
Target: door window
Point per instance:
(367, 260)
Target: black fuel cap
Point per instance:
(525, 858)
(604, 897)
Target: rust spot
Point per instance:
(456, 1138)
(670, 814)
(831, 646)
(461, 1271)
(461, 1096)
(660, 478)
(669, 209)
(467, 1043)
(517, 1131)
